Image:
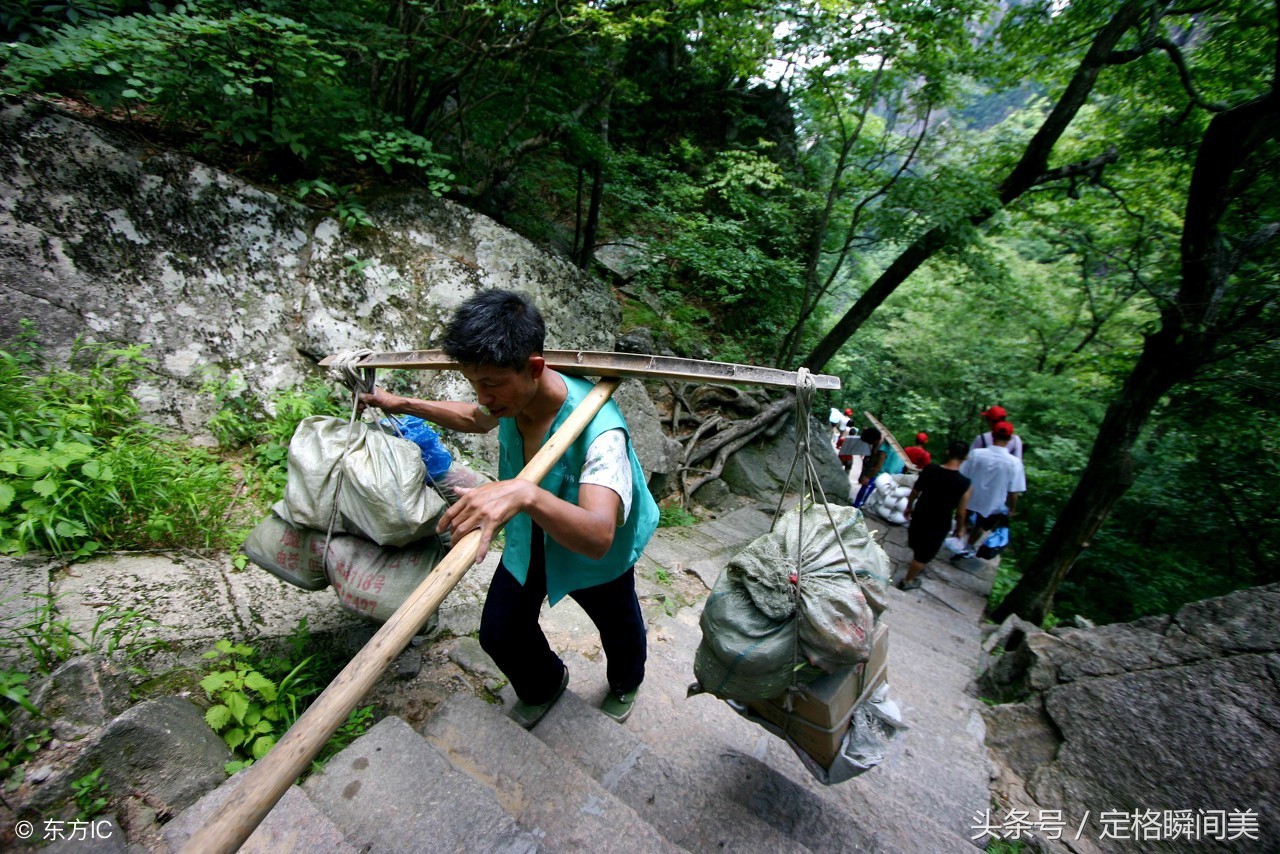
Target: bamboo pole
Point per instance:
(266, 781)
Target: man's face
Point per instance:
(504, 392)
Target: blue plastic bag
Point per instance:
(434, 454)
(994, 543)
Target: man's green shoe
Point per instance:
(618, 706)
(527, 715)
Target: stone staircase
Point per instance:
(681, 774)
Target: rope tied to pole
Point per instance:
(810, 489)
(345, 369)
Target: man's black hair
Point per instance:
(500, 328)
(957, 450)
(871, 436)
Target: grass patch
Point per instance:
(81, 472)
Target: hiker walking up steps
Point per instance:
(577, 533)
(998, 479)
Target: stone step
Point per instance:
(558, 802)
(295, 824)
(897, 804)
(705, 548)
(391, 791)
(731, 754)
(681, 796)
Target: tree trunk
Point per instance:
(1031, 169)
(1107, 476)
(1206, 311)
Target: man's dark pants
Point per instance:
(510, 634)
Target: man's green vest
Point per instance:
(568, 570)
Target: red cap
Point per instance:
(995, 413)
(922, 438)
(848, 412)
(1002, 430)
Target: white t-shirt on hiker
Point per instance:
(608, 465)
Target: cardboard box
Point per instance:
(820, 713)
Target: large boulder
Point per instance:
(162, 747)
(105, 238)
(761, 469)
(1161, 715)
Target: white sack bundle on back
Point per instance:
(759, 623)
(384, 497)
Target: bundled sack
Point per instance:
(371, 581)
(294, 555)
(385, 496)
(755, 629)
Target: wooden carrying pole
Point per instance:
(893, 443)
(266, 781)
(600, 364)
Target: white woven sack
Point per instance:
(384, 495)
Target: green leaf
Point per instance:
(69, 529)
(261, 684)
(234, 737)
(216, 681)
(239, 705)
(6, 496)
(217, 717)
(262, 745)
(45, 487)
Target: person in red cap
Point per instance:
(918, 456)
(993, 415)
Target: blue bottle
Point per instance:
(434, 454)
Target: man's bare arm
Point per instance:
(451, 414)
(586, 527)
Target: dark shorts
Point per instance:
(925, 543)
(989, 523)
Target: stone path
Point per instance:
(681, 774)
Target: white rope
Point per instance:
(344, 369)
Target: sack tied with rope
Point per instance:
(360, 508)
(758, 624)
(799, 607)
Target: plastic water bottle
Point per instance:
(436, 456)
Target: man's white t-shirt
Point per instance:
(985, 441)
(607, 464)
(994, 473)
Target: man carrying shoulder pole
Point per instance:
(578, 532)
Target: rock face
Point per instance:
(1163, 714)
(761, 468)
(104, 238)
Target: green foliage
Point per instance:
(90, 793)
(15, 695)
(675, 516)
(80, 472)
(255, 699)
(273, 79)
(265, 429)
(249, 711)
(46, 638)
(1005, 846)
